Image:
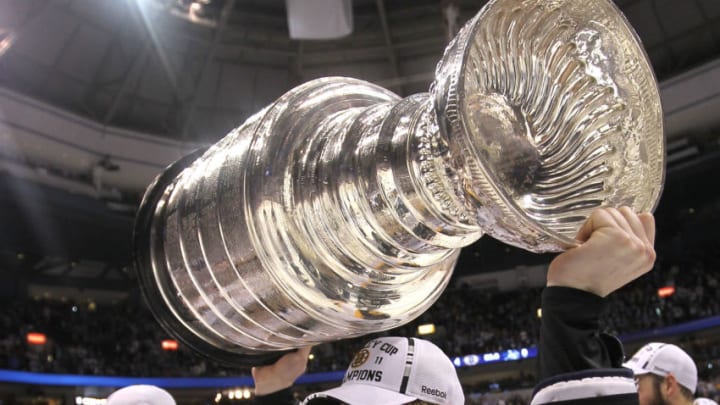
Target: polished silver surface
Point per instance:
(551, 109)
(340, 209)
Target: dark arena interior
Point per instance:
(98, 97)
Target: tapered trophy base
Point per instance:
(153, 296)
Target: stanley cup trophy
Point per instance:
(340, 209)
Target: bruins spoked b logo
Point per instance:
(360, 358)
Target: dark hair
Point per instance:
(684, 391)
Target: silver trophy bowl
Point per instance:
(340, 209)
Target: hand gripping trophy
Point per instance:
(340, 209)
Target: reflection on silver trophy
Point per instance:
(340, 209)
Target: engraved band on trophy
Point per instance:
(340, 209)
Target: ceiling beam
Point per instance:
(148, 25)
(192, 105)
(388, 40)
(43, 86)
(708, 24)
(132, 72)
(96, 84)
(36, 11)
(665, 43)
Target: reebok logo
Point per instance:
(434, 392)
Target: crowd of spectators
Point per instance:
(124, 339)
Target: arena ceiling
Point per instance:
(138, 64)
(146, 65)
